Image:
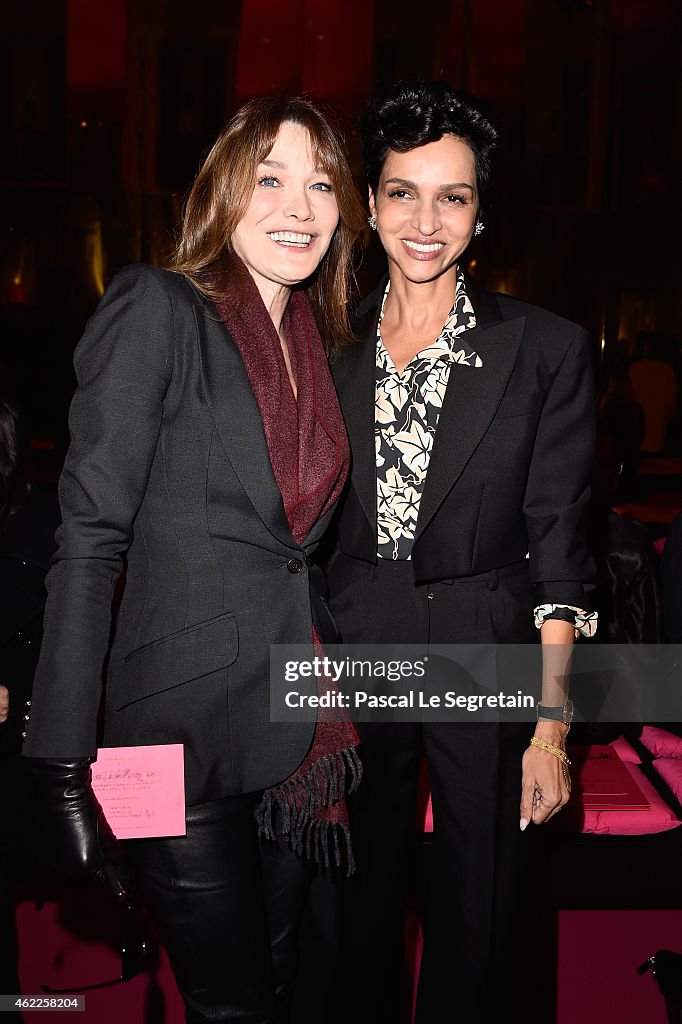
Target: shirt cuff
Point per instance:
(582, 621)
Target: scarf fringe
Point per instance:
(289, 809)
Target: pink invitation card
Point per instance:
(141, 790)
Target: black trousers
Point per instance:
(228, 908)
(484, 930)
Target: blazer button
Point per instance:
(294, 565)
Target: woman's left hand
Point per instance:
(545, 781)
(4, 703)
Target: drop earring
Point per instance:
(372, 221)
(479, 229)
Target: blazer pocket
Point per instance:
(178, 658)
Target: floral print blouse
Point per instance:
(408, 405)
(407, 409)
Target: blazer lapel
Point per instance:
(238, 422)
(471, 399)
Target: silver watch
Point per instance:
(560, 713)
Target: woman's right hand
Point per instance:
(73, 829)
(4, 703)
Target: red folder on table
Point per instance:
(603, 782)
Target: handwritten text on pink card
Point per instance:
(141, 790)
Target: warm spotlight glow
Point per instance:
(84, 124)
(18, 289)
(94, 255)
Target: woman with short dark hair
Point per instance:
(208, 451)
(416, 114)
(470, 417)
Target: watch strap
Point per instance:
(555, 713)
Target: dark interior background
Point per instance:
(108, 105)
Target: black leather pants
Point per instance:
(228, 908)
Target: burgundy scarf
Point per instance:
(309, 452)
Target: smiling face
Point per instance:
(291, 217)
(425, 205)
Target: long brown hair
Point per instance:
(221, 193)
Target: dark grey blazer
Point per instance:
(511, 461)
(168, 468)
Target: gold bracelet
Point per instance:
(557, 751)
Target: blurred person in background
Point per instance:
(29, 516)
(655, 389)
(621, 417)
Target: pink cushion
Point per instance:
(659, 817)
(660, 742)
(670, 769)
(625, 751)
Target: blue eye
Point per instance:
(323, 186)
(269, 181)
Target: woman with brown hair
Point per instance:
(208, 450)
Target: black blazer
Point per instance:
(510, 466)
(169, 468)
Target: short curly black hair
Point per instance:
(414, 113)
